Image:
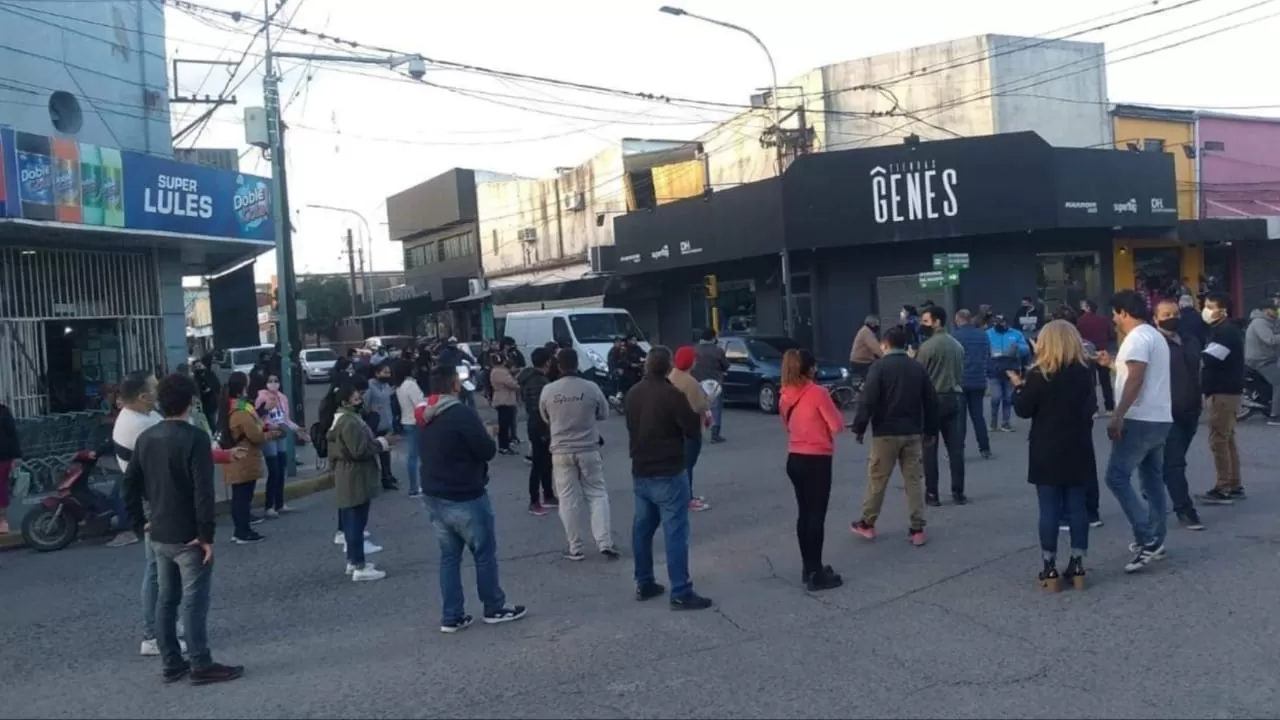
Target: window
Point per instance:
(603, 327)
(1068, 279)
(560, 332)
(1153, 145)
(734, 350)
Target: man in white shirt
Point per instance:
(137, 414)
(1140, 425)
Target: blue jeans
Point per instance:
(692, 449)
(1001, 399)
(150, 591)
(1141, 448)
(353, 521)
(717, 411)
(412, 462)
(662, 501)
(973, 398)
(1058, 505)
(185, 580)
(118, 504)
(275, 455)
(466, 524)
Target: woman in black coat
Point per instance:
(1057, 396)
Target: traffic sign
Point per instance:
(942, 261)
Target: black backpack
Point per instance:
(319, 441)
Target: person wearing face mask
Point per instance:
(1222, 381)
(354, 453)
(273, 406)
(378, 399)
(1009, 351)
(240, 427)
(137, 414)
(909, 320)
(1028, 317)
(866, 347)
(208, 386)
(943, 358)
(1192, 323)
(1184, 379)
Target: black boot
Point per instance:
(824, 579)
(1049, 578)
(1075, 572)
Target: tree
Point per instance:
(328, 301)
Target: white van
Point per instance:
(240, 360)
(589, 330)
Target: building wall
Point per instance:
(1176, 136)
(108, 55)
(173, 307)
(1056, 88)
(1244, 178)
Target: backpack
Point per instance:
(319, 441)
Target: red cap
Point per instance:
(684, 357)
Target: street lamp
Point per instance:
(788, 321)
(373, 298)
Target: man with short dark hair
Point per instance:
(710, 363)
(171, 470)
(1140, 426)
(1222, 382)
(531, 381)
(901, 406)
(1184, 380)
(137, 414)
(973, 381)
(659, 423)
(943, 358)
(1098, 330)
(456, 450)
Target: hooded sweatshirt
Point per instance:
(455, 447)
(572, 406)
(810, 418)
(531, 382)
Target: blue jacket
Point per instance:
(977, 352)
(1009, 351)
(455, 448)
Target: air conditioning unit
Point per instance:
(475, 286)
(527, 235)
(603, 258)
(575, 202)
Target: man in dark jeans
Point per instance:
(943, 358)
(172, 470)
(659, 423)
(1098, 330)
(531, 380)
(973, 381)
(1184, 374)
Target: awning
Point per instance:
(382, 312)
(594, 301)
(482, 295)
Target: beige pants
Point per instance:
(579, 479)
(886, 452)
(1222, 440)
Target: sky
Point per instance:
(359, 133)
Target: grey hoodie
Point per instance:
(1260, 341)
(572, 406)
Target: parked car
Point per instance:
(317, 364)
(755, 370)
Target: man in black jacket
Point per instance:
(531, 380)
(659, 423)
(901, 406)
(171, 470)
(1222, 382)
(1184, 381)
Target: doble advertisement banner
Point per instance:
(55, 179)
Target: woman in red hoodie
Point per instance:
(812, 422)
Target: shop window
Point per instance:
(1153, 145)
(1068, 279)
(1157, 273)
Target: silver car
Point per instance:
(317, 364)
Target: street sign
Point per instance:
(933, 279)
(942, 261)
(951, 276)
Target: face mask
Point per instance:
(1170, 325)
(273, 386)
(926, 330)
(874, 327)
(1209, 315)
(903, 315)
(1002, 328)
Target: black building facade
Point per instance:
(860, 225)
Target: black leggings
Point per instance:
(506, 426)
(811, 477)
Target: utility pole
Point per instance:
(351, 269)
(364, 280)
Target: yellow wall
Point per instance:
(1192, 260)
(1175, 136)
(678, 181)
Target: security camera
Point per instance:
(417, 68)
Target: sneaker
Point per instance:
(611, 553)
(505, 615)
(551, 503)
(649, 591)
(123, 539)
(369, 548)
(537, 510)
(863, 530)
(390, 485)
(453, 626)
(367, 573)
(248, 538)
(994, 427)
(932, 500)
(1157, 552)
(986, 454)
(692, 601)
(216, 673)
(151, 648)
(1237, 493)
(1064, 528)
(285, 509)
(1143, 557)
(1095, 523)
(271, 514)
(1217, 497)
(352, 568)
(917, 537)
(507, 451)
(171, 675)
(1190, 520)
(1007, 428)
(576, 556)
(340, 538)
(528, 459)
(1273, 421)
(716, 440)
(415, 494)
(256, 519)
(699, 505)
(960, 498)
(824, 579)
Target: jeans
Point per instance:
(353, 521)
(579, 480)
(973, 401)
(1058, 505)
(413, 460)
(717, 412)
(242, 507)
(540, 471)
(692, 449)
(810, 477)
(184, 580)
(1181, 433)
(1141, 448)
(506, 426)
(951, 430)
(1104, 382)
(662, 501)
(1001, 400)
(466, 524)
(276, 456)
(118, 504)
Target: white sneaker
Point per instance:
(367, 573)
(151, 648)
(285, 509)
(352, 568)
(369, 548)
(340, 539)
(271, 513)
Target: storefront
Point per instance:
(94, 243)
(861, 225)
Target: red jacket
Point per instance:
(1094, 328)
(810, 418)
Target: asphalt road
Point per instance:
(957, 628)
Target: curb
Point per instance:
(292, 491)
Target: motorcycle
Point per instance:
(608, 385)
(1256, 397)
(56, 522)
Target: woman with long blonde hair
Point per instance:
(1057, 396)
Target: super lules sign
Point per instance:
(177, 196)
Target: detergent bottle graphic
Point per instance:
(112, 185)
(91, 184)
